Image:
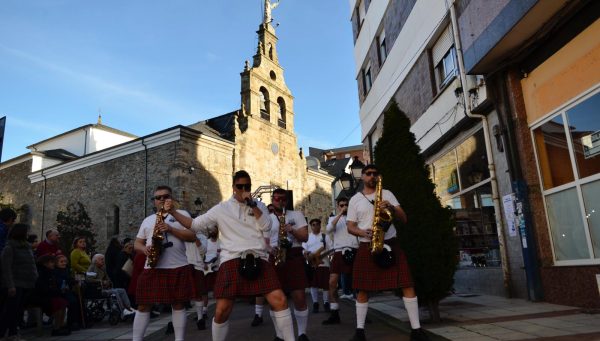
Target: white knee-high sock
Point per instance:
(179, 320)
(335, 306)
(361, 314)
(284, 322)
(277, 330)
(258, 309)
(314, 293)
(325, 296)
(302, 320)
(412, 308)
(220, 331)
(140, 323)
(199, 309)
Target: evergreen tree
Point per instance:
(428, 238)
(75, 222)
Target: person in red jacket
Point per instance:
(50, 246)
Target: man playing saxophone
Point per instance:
(383, 270)
(291, 273)
(170, 280)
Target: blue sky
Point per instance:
(150, 65)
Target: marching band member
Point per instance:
(171, 280)
(195, 252)
(291, 273)
(316, 250)
(244, 269)
(373, 273)
(345, 246)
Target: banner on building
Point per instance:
(2, 125)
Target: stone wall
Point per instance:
(17, 190)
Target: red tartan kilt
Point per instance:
(165, 286)
(338, 265)
(320, 278)
(230, 284)
(291, 274)
(209, 281)
(368, 276)
(200, 283)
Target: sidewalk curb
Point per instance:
(393, 322)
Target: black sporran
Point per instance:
(385, 259)
(348, 255)
(249, 266)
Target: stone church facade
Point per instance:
(115, 183)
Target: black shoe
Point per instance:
(303, 337)
(334, 318)
(327, 307)
(359, 335)
(201, 324)
(256, 321)
(418, 335)
(169, 329)
(204, 316)
(315, 309)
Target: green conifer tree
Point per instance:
(75, 222)
(428, 238)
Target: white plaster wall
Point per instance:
(99, 139)
(73, 142)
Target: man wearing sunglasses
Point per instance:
(342, 240)
(369, 275)
(241, 222)
(291, 274)
(171, 280)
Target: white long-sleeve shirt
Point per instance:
(341, 237)
(195, 254)
(239, 230)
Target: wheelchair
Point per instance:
(97, 305)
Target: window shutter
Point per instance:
(442, 45)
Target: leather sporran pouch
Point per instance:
(249, 267)
(385, 259)
(348, 255)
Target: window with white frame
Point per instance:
(443, 55)
(367, 79)
(567, 148)
(381, 47)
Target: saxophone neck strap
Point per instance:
(369, 200)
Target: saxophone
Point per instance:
(157, 240)
(380, 216)
(283, 242)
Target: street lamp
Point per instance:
(351, 182)
(356, 169)
(346, 181)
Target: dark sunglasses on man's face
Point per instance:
(162, 197)
(371, 173)
(245, 187)
(343, 205)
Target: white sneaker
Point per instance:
(126, 312)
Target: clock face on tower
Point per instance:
(274, 148)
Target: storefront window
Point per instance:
(573, 210)
(568, 232)
(591, 198)
(553, 153)
(584, 124)
(462, 183)
(476, 228)
(472, 160)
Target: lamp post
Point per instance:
(350, 183)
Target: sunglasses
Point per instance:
(162, 197)
(279, 199)
(245, 187)
(343, 205)
(371, 173)
(315, 224)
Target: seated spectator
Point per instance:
(18, 277)
(80, 261)
(49, 295)
(123, 278)
(66, 284)
(50, 245)
(97, 267)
